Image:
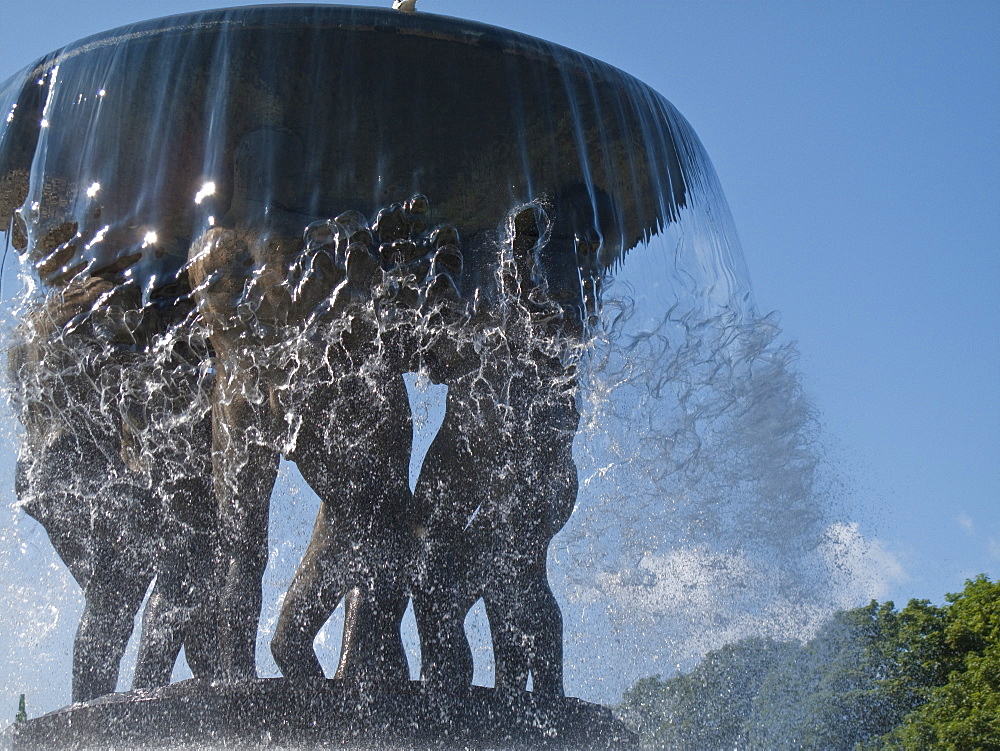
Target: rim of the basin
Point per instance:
(344, 17)
(642, 214)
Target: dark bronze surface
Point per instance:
(278, 714)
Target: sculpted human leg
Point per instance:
(182, 608)
(353, 452)
(554, 483)
(245, 468)
(316, 589)
(449, 492)
(525, 619)
(111, 602)
(119, 576)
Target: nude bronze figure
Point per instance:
(499, 480)
(114, 526)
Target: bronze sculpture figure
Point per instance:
(114, 525)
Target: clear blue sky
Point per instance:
(859, 148)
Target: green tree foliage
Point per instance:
(829, 695)
(874, 677)
(963, 710)
(707, 707)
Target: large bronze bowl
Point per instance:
(121, 148)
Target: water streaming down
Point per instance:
(283, 208)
